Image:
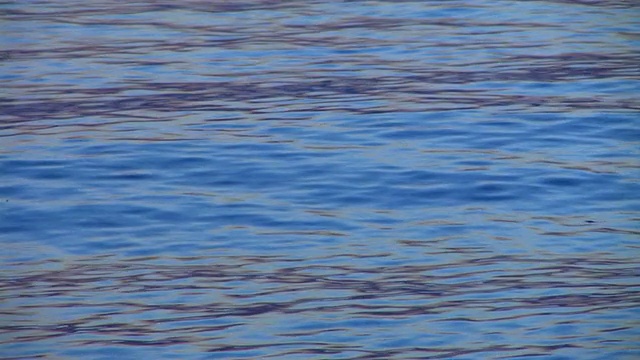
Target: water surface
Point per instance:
(319, 180)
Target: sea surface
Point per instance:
(320, 179)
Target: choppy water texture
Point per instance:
(319, 179)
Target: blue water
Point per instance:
(319, 180)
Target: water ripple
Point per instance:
(206, 301)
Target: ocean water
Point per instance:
(319, 179)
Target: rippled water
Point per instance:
(319, 179)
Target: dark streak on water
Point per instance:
(319, 179)
(325, 309)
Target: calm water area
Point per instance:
(320, 179)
